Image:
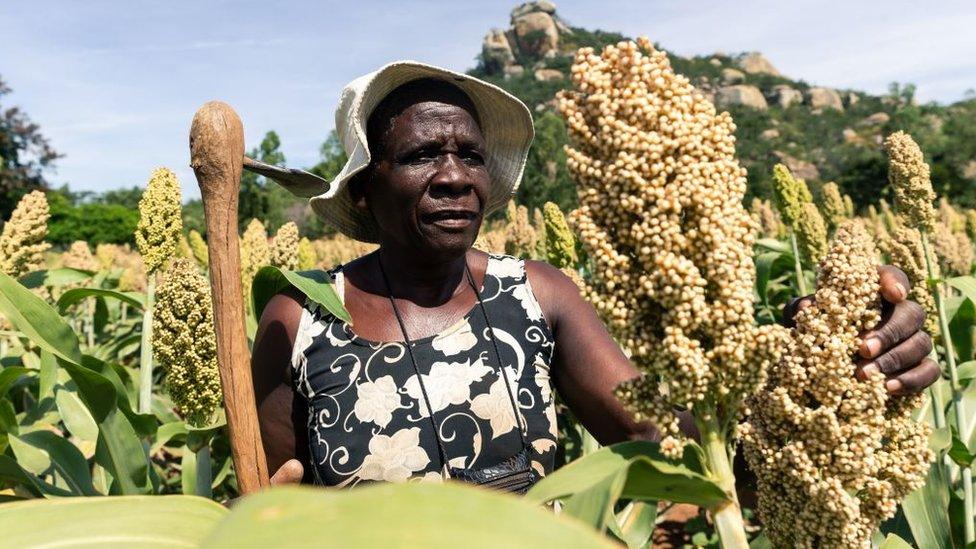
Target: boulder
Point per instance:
(496, 52)
(784, 96)
(875, 120)
(851, 136)
(715, 62)
(851, 98)
(543, 6)
(824, 98)
(513, 71)
(802, 169)
(755, 63)
(536, 33)
(741, 94)
(733, 76)
(969, 170)
(548, 75)
(771, 133)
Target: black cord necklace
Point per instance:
(409, 346)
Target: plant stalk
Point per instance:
(728, 518)
(145, 349)
(801, 284)
(950, 356)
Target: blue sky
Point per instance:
(115, 84)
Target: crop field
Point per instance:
(111, 395)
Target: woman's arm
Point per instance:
(588, 364)
(281, 416)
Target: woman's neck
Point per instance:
(420, 280)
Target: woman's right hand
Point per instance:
(290, 472)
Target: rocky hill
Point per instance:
(822, 134)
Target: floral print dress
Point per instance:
(368, 420)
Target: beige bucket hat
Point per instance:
(505, 123)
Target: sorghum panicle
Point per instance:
(833, 454)
(284, 247)
(790, 194)
(79, 256)
(22, 244)
(184, 344)
(521, 238)
(160, 222)
(811, 233)
(199, 248)
(255, 253)
(662, 221)
(306, 254)
(832, 206)
(560, 241)
(910, 179)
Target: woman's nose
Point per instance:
(452, 175)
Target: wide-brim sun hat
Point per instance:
(505, 122)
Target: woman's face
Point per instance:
(429, 184)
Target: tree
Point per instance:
(545, 178)
(332, 159)
(25, 155)
(260, 198)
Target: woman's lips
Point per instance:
(450, 219)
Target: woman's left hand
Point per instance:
(897, 346)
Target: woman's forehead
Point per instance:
(430, 119)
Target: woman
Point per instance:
(431, 152)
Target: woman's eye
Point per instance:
(473, 157)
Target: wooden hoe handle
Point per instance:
(216, 156)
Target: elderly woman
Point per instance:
(449, 365)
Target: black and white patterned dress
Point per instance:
(367, 417)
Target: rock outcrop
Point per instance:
(824, 98)
(784, 96)
(548, 75)
(741, 94)
(802, 169)
(733, 76)
(755, 63)
(533, 35)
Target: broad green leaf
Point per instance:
(433, 516)
(11, 471)
(659, 480)
(894, 542)
(940, 439)
(316, 285)
(775, 245)
(584, 472)
(31, 458)
(648, 477)
(150, 522)
(37, 320)
(54, 277)
(961, 323)
(959, 453)
(966, 370)
(594, 505)
(222, 473)
(926, 511)
(74, 295)
(48, 377)
(9, 376)
(63, 457)
(761, 542)
(75, 415)
(118, 447)
(167, 433)
(635, 524)
(965, 284)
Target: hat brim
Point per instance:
(506, 125)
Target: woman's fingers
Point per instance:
(915, 379)
(290, 472)
(905, 320)
(905, 355)
(894, 283)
